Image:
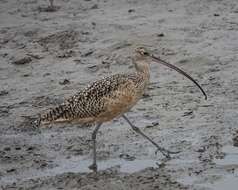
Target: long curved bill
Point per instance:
(179, 71)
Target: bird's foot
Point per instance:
(93, 167)
(166, 153)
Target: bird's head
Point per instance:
(143, 54)
(142, 51)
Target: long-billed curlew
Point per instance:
(110, 97)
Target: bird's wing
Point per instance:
(88, 103)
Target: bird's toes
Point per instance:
(93, 167)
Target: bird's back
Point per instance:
(101, 101)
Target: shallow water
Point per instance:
(231, 156)
(124, 165)
(229, 183)
(79, 165)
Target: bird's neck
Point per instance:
(143, 73)
(142, 67)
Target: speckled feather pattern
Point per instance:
(100, 101)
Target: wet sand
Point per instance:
(50, 54)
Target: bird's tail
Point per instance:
(32, 121)
(58, 114)
(36, 123)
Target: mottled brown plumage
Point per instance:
(110, 97)
(104, 99)
(101, 101)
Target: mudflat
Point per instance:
(48, 54)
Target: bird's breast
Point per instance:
(119, 102)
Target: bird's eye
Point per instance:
(142, 51)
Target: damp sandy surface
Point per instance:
(49, 54)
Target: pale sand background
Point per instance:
(86, 40)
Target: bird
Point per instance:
(111, 97)
(51, 3)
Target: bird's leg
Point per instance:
(51, 3)
(165, 152)
(94, 136)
